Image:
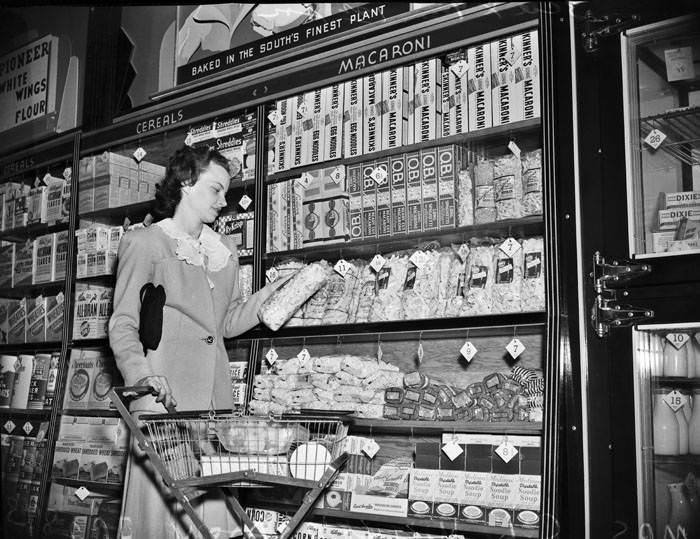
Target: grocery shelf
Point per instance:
(474, 137)
(89, 343)
(24, 412)
(427, 428)
(675, 381)
(31, 231)
(53, 346)
(27, 290)
(92, 486)
(686, 460)
(487, 325)
(135, 212)
(681, 127)
(524, 227)
(90, 412)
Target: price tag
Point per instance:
(338, 174)
(418, 259)
(462, 251)
(271, 356)
(304, 357)
(9, 425)
(342, 267)
(679, 64)
(515, 348)
(377, 262)
(272, 274)
(245, 201)
(513, 147)
(675, 399)
(67, 173)
(460, 68)
(59, 298)
(678, 340)
(655, 138)
(370, 448)
(305, 180)
(82, 493)
(420, 352)
(282, 523)
(27, 427)
(189, 140)
(468, 350)
(379, 175)
(47, 178)
(452, 450)
(139, 154)
(506, 451)
(274, 117)
(510, 247)
(302, 108)
(37, 182)
(380, 353)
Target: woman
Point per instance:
(188, 365)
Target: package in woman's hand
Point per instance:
(284, 302)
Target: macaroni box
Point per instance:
(479, 87)
(372, 122)
(458, 102)
(427, 115)
(333, 98)
(527, 76)
(352, 118)
(395, 108)
(505, 103)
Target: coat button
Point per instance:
(210, 340)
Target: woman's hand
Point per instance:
(160, 384)
(267, 290)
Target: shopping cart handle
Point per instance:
(340, 461)
(135, 392)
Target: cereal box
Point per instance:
(429, 193)
(59, 268)
(80, 378)
(36, 205)
(354, 178)
(413, 192)
(54, 317)
(105, 375)
(7, 265)
(85, 324)
(16, 322)
(369, 201)
(104, 310)
(38, 382)
(6, 306)
(479, 87)
(36, 319)
(397, 180)
(24, 263)
(44, 256)
(54, 199)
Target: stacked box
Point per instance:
(671, 218)
(414, 207)
(16, 322)
(104, 309)
(36, 205)
(86, 185)
(317, 131)
(24, 264)
(54, 199)
(444, 127)
(150, 174)
(80, 378)
(333, 122)
(36, 319)
(354, 178)
(505, 102)
(410, 97)
(274, 234)
(44, 258)
(429, 188)
(61, 258)
(307, 125)
(85, 324)
(372, 121)
(479, 87)
(352, 118)
(6, 306)
(383, 200)
(21, 210)
(297, 107)
(428, 81)
(7, 264)
(397, 180)
(283, 136)
(451, 160)
(679, 199)
(54, 317)
(369, 201)
(394, 108)
(527, 76)
(240, 226)
(458, 102)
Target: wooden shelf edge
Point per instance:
(54, 346)
(108, 488)
(44, 412)
(38, 229)
(424, 427)
(89, 412)
(128, 209)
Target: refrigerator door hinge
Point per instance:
(607, 310)
(595, 27)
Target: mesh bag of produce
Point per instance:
(507, 283)
(387, 303)
(532, 183)
(340, 294)
(284, 302)
(507, 187)
(420, 289)
(477, 299)
(456, 281)
(465, 198)
(484, 202)
(532, 290)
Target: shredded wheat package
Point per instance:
(340, 294)
(484, 203)
(477, 298)
(532, 183)
(507, 187)
(420, 289)
(532, 290)
(454, 291)
(465, 200)
(390, 280)
(283, 303)
(507, 283)
(364, 297)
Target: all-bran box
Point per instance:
(427, 115)
(36, 319)
(61, 258)
(369, 201)
(7, 265)
(429, 193)
(527, 76)
(352, 118)
(36, 205)
(479, 87)
(395, 108)
(16, 322)
(24, 263)
(297, 107)
(104, 310)
(44, 257)
(372, 122)
(354, 179)
(414, 203)
(383, 200)
(397, 180)
(318, 131)
(85, 316)
(504, 102)
(333, 98)
(54, 317)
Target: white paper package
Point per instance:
(508, 278)
(477, 299)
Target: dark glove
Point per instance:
(151, 322)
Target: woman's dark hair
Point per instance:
(184, 168)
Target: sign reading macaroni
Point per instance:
(28, 82)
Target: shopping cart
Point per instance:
(196, 450)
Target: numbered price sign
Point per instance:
(302, 108)
(655, 138)
(514, 148)
(338, 174)
(506, 451)
(9, 425)
(675, 399)
(468, 351)
(377, 262)
(139, 154)
(274, 117)
(379, 175)
(271, 356)
(82, 493)
(418, 259)
(27, 428)
(452, 449)
(510, 247)
(462, 251)
(304, 357)
(342, 266)
(245, 201)
(370, 448)
(515, 348)
(420, 353)
(460, 68)
(678, 340)
(272, 274)
(305, 180)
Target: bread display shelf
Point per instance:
(427, 428)
(135, 212)
(38, 229)
(51, 346)
(474, 137)
(21, 291)
(675, 381)
(24, 412)
(93, 412)
(93, 486)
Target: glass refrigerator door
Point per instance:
(667, 398)
(661, 80)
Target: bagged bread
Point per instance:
(285, 268)
(262, 394)
(445, 261)
(532, 289)
(387, 304)
(370, 411)
(316, 306)
(456, 282)
(420, 290)
(532, 183)
(257, 407)
(327, 364)
(477, 299)
(345, 377)
(359, 367)
(380, 380)
(507, 282)
(465, 198)
(364, 295)
(264, 381)
(284, 302)
(507, 187)
(291, 381)
(340, 294)
(484, 202)
(325, 382)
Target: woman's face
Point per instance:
(208, 195)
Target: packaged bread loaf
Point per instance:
(456, 282)
(285, 268)
(284, 302)
(340, 294)
(507, 187)
(245, 281)
(465, 198)
(330, 364)
(316, 305)
(420, 290)
(445, 261)
(364, 296)
(532, 289)
(507, 282)
(532, 182)
(484, 203)
(387, 304)
(477, 298)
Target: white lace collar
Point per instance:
(208, 251)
